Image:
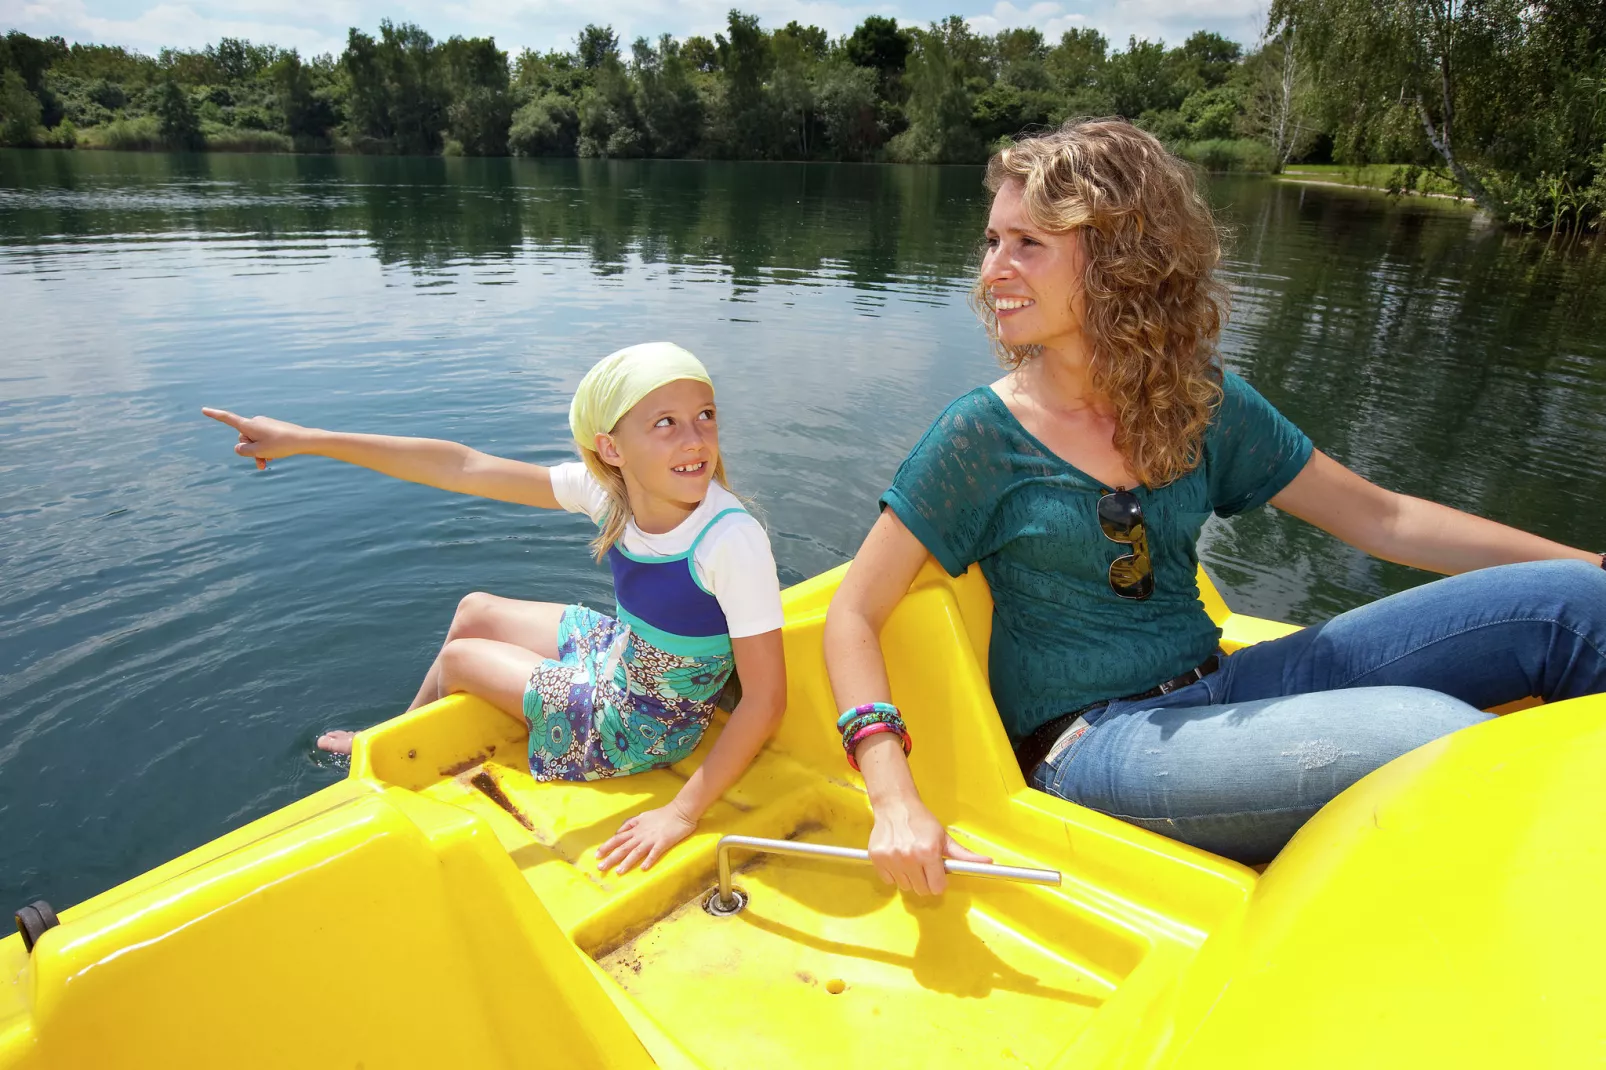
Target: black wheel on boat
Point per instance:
(34, 920)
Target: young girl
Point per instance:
(693, 577)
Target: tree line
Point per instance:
(1506, 98)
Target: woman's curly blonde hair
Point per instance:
(1152, 306)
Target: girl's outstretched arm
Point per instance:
(761, 662)
(434, 462)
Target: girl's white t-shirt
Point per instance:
(733, 560)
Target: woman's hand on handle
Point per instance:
(908, 844)
(261, 437)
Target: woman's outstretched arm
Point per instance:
(907, 842)
(434, 462)
(1407, 530)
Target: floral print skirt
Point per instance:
(614, 704)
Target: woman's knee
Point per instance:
(1400, 719)
(1562, 590)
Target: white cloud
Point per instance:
(1155, 20)
(1052, 19)
(179, 25)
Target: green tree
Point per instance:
(175, 117)
(1211, 114)
(1075, 68)
(1274, 86)
(477, 82)
(306, 106)
(609, 122)
(31, 58)
(701, 53)
(877, 42)
(940, 72)
(845, 100)
(1205, 61)
(548, 125)
(1021, 95)
(812, 41)
(535, 73)
(597, 45)
(791, 95)
(1140, 80)
(666, 98)
(1504, 94)
(19, 110)
(398, 98)
(745, 61)
(235, 60)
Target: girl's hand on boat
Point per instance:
(261, 437)
(907, 846)
(645, 838)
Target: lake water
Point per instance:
(176, 628)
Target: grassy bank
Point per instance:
(1243, 155)
(1388, 177)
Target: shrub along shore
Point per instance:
(1532, 153)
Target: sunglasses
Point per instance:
(1121, 520)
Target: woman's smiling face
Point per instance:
(1032, 277)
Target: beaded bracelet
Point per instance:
(872, 730)
(867, 719)
(867, 714)
(870, 719)
(886, 708)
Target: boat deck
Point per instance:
(439, 907)
(991, 973)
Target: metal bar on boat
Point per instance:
(854, 854)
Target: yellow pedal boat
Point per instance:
(439, 908)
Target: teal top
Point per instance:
(979, 488)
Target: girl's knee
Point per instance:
(456, 657)
(472, 610)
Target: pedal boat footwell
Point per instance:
(438, 907)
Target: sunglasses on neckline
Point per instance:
(1121, 519)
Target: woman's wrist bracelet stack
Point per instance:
(870, 719)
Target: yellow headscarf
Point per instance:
(616, 382)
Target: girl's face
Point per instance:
(1032, 277)
(668, 444)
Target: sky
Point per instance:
(148, 25)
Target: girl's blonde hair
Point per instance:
(1153, 308)
(612, 527)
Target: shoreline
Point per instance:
(1302, 177)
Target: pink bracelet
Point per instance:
(870, 730)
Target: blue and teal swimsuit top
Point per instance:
(665, 603)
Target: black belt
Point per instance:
(1035, 747)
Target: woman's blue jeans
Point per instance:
(1238, 761)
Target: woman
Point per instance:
(1080, 481)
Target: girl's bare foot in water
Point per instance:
(336, 742)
